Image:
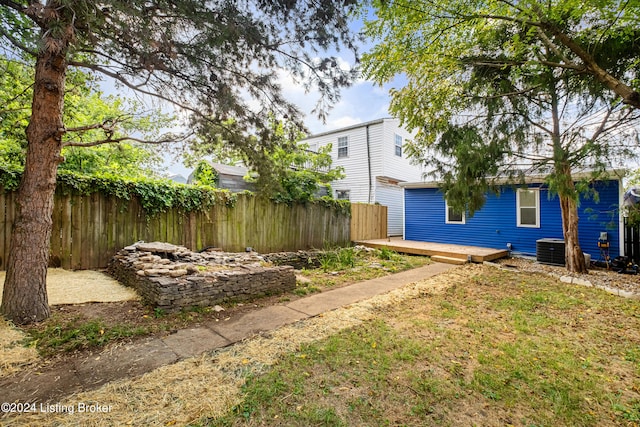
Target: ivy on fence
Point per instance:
(155, 195)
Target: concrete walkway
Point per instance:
(52, 383)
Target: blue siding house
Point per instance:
(516, 216)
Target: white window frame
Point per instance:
(397, 146)
(343, 144)
(449, 221)
(536, 192)
(345, 192)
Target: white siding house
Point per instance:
(374, 162)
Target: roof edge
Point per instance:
(614, 174)
(346, 128)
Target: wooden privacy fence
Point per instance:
(368, 222)
(89, 230)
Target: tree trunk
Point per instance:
(574, 257)
(25, 295)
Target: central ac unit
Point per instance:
(550, 251)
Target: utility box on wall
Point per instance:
(550, 251)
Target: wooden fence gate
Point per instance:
(368, 222)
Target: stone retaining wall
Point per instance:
(172, 277)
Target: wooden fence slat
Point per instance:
(129, 233)
(88, 230)
(103, 239)
(76, 232)
(368, 222)
(55, 242)
(5, 230)
(66, 225)
(140, 230)
(170, 226)
(111, 223)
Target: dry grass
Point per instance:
(467, 347)
(63, 287)
(209, 386)
(493, 349)
(13, 355)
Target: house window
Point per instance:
(398, 145)
(453, 216)
(343, 147)
(528, 208)
(342, 194)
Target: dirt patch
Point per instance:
(66, 287)
(597, 276)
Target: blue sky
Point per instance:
(362, 102)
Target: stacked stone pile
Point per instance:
(172, 277)
(298, 260)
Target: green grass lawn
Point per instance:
(495, 349)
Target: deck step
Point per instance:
(448, 260)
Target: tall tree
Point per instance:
(499, 89)
(215, 60)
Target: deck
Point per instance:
(443, 252)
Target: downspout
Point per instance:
(369, 163)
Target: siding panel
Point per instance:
(495, 224)
(391, 197)
(400, 168)
(356, 166)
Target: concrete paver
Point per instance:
(194, 341)
(37, 386)
(254, 322)
(125, 361)
(330, 300)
